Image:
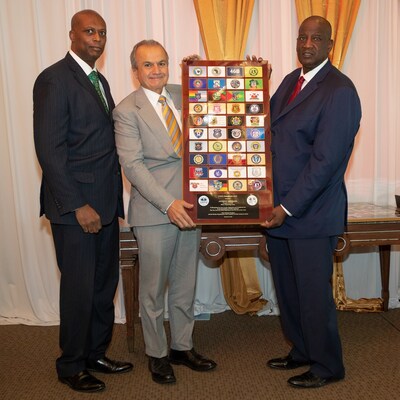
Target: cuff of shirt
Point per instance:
(166, 210)
(286, 211)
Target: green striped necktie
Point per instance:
(94, 78)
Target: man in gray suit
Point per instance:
(167, 237)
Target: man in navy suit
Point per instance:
(312, 140)
(81, 195)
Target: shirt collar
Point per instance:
(153, 96)
(87, 69)
(309, 75)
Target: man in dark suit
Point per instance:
(81, 195)
(167, 237)
(312, 140)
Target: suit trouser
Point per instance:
(89, 265)
(168, 258)
(302, 272)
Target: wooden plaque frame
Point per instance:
(227, 167)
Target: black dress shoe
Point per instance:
(191, 359)
(107, 366)
(309, 380)
(286, 363)
(83, 382)
(161, 370)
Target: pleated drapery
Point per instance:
(29, 281)
(224, 27)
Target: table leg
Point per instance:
(130, 295)
(384, 256)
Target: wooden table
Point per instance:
(371, 225)
(368, 225)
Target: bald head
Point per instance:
(76, 18)
(88, 35)
(314, 42)
(323, 23)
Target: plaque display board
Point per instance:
(227, 170)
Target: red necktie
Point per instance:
(297, 89)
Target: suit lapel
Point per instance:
(175, 92)
(304, 93)
(152, 120)
(110, 100)
(83, 80)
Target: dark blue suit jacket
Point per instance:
(312, 140)
(74, 140)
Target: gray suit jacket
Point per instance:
(148, 158)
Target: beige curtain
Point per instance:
(224, 26)
(240, 283)
(342, 15)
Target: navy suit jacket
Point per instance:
(312, 140)
(75, 145)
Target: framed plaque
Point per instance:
(227, 172)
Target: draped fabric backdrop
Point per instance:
(224, 26)
(34, 34)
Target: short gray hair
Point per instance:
(147, 42)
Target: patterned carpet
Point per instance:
(240, 344)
